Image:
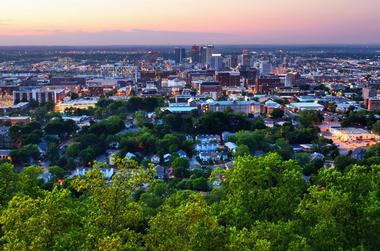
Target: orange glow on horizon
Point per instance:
(246, 19)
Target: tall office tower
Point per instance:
(203, 51)
(245, 58)
(285, 62)
(179, 55)
(234, 61)
(209, 52)
(265, 68)
(195, 54)
(216, 62)
(228, 61)
(252, 62)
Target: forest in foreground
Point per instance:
(263, 203)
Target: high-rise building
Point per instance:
(285, 62)
(265, 68)
(216, 62)
(179, 55)
(209, 52)
(228, 62)
(195, 54)
(245, 59)
(231, 61)
(203, 51)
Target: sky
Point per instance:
(175, 22)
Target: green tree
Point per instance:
(87, 155)
(260, 188)
(49, 222)
(25, 154)
(310, 119)
(242, 150)
(277, 113)
(58, 126)
(376, 128)
(256, 140)
(111, 210)
(57, 172)
(181, 167)
(185, 222)
(343, 162)
(199, 184)
(73, 150)
(8, 183)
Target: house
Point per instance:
(358, 153)
(317, 156)
(111, 156)
(270, 105)
(171, 173)
(227, 135)
(130, 156)
(302, 147)
(4, 154)
(206, 147)
(182, 154)
(5, 139)
(212, 156)
(80, 172)
(160, 172)
(43, 147)
(155, 159)
(194, 164)
(46, 176)
(167, 157)
(208, 138)
(231, 146)
(103, 158)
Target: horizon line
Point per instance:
(191, 44)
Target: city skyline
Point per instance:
(149, 22)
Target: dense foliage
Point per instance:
(263, 203)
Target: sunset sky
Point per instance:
(116, 22)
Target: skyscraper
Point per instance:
(203, 51)
(245, 59)
(265, 68)
(209, 52)
(179, 55)
(195, 54)
(217, 62)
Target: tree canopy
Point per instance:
(263, 203)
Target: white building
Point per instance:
(352, 134)
(83, 103)
(302, 106)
